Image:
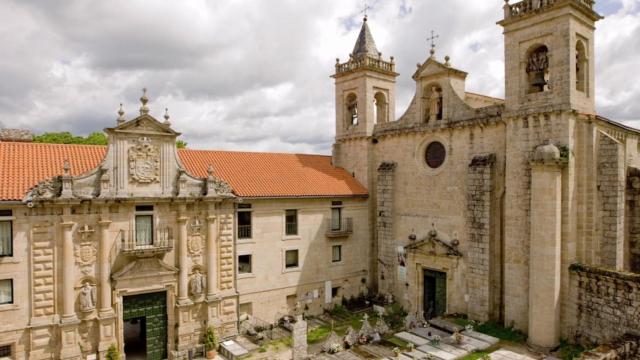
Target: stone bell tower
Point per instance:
(549, 55)
(365, 96)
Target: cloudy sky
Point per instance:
(254, 74)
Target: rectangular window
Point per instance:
(5, 352)
(144, 229)
(291, 259)
(6, 233)
(244, 221)
(291, 222)
(336, 252)
(6, 291)
(336, 218)
(244, 264)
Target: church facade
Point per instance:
(483, 206)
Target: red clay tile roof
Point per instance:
(22, 165)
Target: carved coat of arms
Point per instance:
(85, 256)
(144, 161)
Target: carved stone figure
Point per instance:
(85, 254)
(87, 297)
(435, 103)
(44, 190)
(144, 161)
(197, 283)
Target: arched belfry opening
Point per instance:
(351, 105)
(582, 67)
(381, 108)
(433, 103)
(538, 69)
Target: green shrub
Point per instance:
(210, 342)
(113, 353)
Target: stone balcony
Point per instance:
(530, 6)
(366, 63)
(340, 229)
(142, 244)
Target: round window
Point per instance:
(435, 154)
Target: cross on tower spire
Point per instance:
(364, 11)
(433, 38)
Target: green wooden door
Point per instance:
(434, 293)
(153, 307)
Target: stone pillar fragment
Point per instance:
(104, 269)
(545, 247)
(300, 339)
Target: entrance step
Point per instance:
(231, 350)
(414, 339)
(482, 337)
(445, 325)
(439, 353)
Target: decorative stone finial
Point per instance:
(546, 153)
(210, 171)
(446, 61)
(121, 117)
(432, 52)
(144, 109)
(66, 167)
(166, 116)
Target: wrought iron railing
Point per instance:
(244, 231)
(146, 243)
(366, 62)
(528, 6)
(341, 228)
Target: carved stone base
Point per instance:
(107, 332)
(69, 339)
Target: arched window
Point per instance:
(538, 69)
(352, 110)
(381, 108)
(582, 67)
(433, 103)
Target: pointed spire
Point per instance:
(144, 109)
(166, 117)
(365, 45)
(121, 117)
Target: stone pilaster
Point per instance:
(481, 254)
(545, 247)
(611, 180)
(183, 280)
(212, 257)
(384, 226)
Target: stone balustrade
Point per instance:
(528, 6)
(367, 62)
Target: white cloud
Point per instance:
(254, 75)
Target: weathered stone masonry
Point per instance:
(386, 242)
(480, 251)
(608, 304)
(611, 190)
(633, 214)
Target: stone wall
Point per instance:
(627, 348)
(611, 193)
(479, 194)
(633, 218)
(384, 226)
(608, 304)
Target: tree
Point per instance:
(95, 138)
(181, 144)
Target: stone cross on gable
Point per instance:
(85, 231)
(433, 38)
